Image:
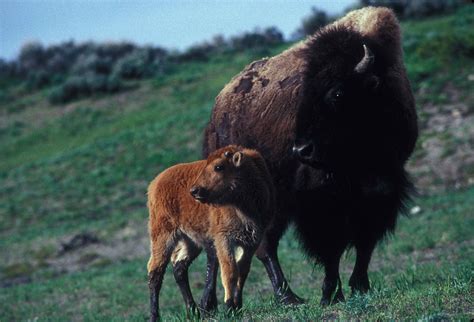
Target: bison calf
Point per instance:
(221, 204)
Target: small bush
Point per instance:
(4, 96)
(38, 79)
(83, 86)
(92, 63)
(268, 37)
(114, 50)
(310, 24)
(199, 52)
(31, 56)
(415, 8)
(135, 65)
(8, 69)
(57, 62)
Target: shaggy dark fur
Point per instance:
(357, 131)
(351, 133)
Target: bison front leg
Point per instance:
(267, 254)
(209, 298)
(359, 281)
(332, 286)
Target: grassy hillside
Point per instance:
(81, 170)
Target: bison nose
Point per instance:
(303, 151)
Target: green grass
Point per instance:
(92, 161)
(411, 283)
(84, 167)
(438, 44)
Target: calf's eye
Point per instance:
(218, 168)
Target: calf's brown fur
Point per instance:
(222, 204)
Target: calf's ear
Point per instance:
(237, 159)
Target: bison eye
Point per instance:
(334, 96)
(219, 168)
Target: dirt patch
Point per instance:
(444, 158)
(78, 241)
(128, 243)
(77, 253)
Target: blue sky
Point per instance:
(171, 24)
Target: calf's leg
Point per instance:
(267, 254)
(182, 257)
(161, 248)
(243, 262)
(229, 272)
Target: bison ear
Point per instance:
(372, 82)
(237, 159)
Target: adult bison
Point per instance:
(334, 117)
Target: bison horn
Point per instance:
(367, 61)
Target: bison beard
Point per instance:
(342, 102)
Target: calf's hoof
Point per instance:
(231, 309)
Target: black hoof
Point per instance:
(154, 318)
(361, 285)
(192, 311)
(338, 298)
(331, 300)
(208, 306)
(289, 298)
(325, 301)
(360, 290)
(206, 312)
